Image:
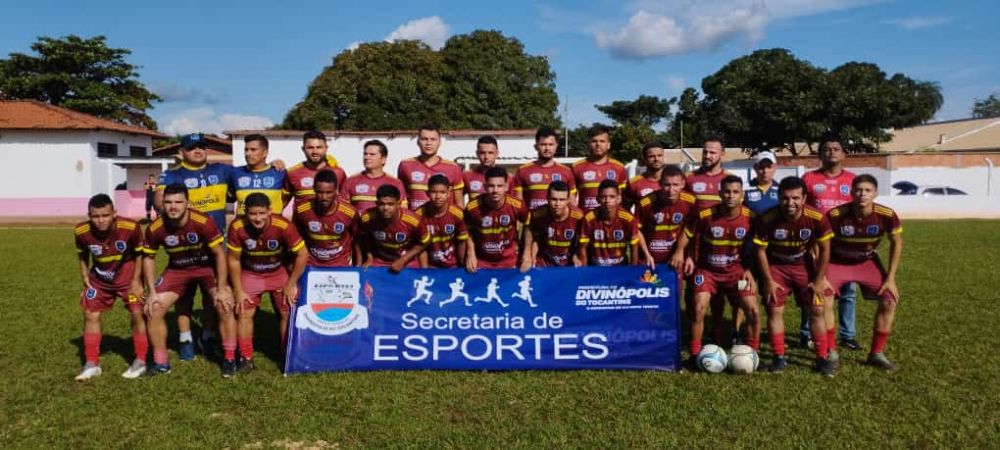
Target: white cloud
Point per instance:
(207, 120)
(431, 30)
(916, 23)
(354, 45)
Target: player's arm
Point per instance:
(414, 252)
(530, 250)
(459, 195)
(769, 290)
(236, 275)
(222, 292)
(362, 258)
(644, 247)
(895, 255)
(423, 260)
(149, 276)
(820, 283)
(84, 258)
(677, 259)
(471, 262)
(136, 288)
(298, 268)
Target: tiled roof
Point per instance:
(35, 115)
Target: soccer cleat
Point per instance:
(208, 346)
(879, 360)
(158, 369)
(246, 366)
(90, 370)
(778, 364)
(850, 344)
(826, 367)
(690, 364)
(228, 368)
(136, 370)
(186, 351)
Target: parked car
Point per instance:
(908, 188)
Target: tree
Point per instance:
(84, 75)
(692, 118)
(644, 111)
(986, 107)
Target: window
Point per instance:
(136, 151)
(106, 150)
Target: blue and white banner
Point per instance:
(552, 318)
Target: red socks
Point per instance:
(140, 343)
(160, 356)
(822, 350)
(831, 339)
(695, 346)
(754, 343)
(879, 339)
(92, 347)
(246, 347)
(777, 343)
(229, 349)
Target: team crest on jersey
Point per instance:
(699, 280)
(400, 237)
(598, 235)
(556, 177)
(590, 175)
(535, 178)
(781, 234)
(120, 246)
(845, 189)
(315, 226)
(740, 233)
(658, 217)
(96, 250)
(504, 220)
(251, 244)
(243, 182)
(172, 240)
(610, 174)
(717, 232)
(191, 183)
(698, 186)
(449, 228)
(307, 182)
(91, 293)
(379, 235)
(568, 233)
(476, 185)
(805, 233)
(847, 230)
(268, 182)
(753, 196)
(872, 230)
(338, 227)
(362, 188)
(487, 221)
(192, 238)
(819, 188)
(213, 179)
(678, 217)
(619, 235)
(418, 176)
(272, 244)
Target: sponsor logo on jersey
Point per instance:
(781, 234)
(872, 230)
(551, 232)
(698, 186)
(717, 232)
(379, 235)
(590, 175)
(417, 176)
(272, 244)
(315, 226)
(645, 192)
(362, 188)
(619, 235)
(598, 235)
(535, 178)
(487, 221)
(847, 230)
(338, 227)
(658, 217)
(556, 177)
(307, 182)
(741, 233)
(819, 188)
(96, 250)
(400, 237)
(171, 240)
(504, 220)
(243, 182)
(476, 185)
(753, 196)
(191, 183)
(192, 238)
(805, 233)
(120, 246)
(251, 244)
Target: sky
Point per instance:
(223, 65)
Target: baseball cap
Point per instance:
(192, 140)
(764, 156)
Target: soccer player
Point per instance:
(414, 172)
(194, 246)
(553, 231)
(259, 243)
(720, 235)
(392, 235)
(610, 235)
(597, 167)
(858, 229)
(531, 181)
(109, 249)
(494, 220)
(300, 177)
(149, 187)
(328, 225)
(645, 183)
(705, 182)
(826, 188)
(663, 213)
(763, 193)
(446, 225)
(487, 152)
(359, 189)
(207, 188)
(258, 175)
(784, 236)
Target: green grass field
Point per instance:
(946, 394)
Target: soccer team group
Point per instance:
(813, 238)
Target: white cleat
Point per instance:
(136, 370)
(90, 370)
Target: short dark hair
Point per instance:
(557, 186)
(729, 179)
(438, 179)
(597, 130)
(100, 201)
(864, 178)
(429, 127)
(313, 134)
(670, 170)
(828, 137)
(487, 140)
(175, 188)
(257, 137)
(256, 200)
(377, 143)
(791, 183)
(545, 132)
(715, 138)
(496, 172)
(326, 176)
(387, 190)
(650, 145)
(606, 184)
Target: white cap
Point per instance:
(764, 156)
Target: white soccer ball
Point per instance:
(742, 359)
(712, 359)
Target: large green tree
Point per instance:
(986, 107)
(633, 123)
(81, 74)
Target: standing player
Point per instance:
(300, 177)
(194, 246)
(664, 213)
(763, 193)
(328, 225)
(112, 246)
(487, 152)
(826, 188)
(553, 231)
(704, 183)
(591, 171)
(259, 243)
(392, 235)
(494, 220)
(720, 235)
(446, 225)
(610, 235)
(360, 189)
(645, 183)
(414, 172)
(258, 175)
(858, 229)
(784, 236)
(531, 181)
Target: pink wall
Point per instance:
(128, 204)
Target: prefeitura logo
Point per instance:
(333, 304)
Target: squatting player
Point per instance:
(446, 225)
(531, 181)
(328, 225)
(389, 235)
(610, 235)
(554, 230)
(414, 172)
(664, 213)
(494, 221)
(597, 167)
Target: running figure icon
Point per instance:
(491, 293)
(421, 286)
(525, 294)
(456, 293)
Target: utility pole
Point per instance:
(566, 127)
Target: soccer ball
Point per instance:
(712, 359)
(742, 359)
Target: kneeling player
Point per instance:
(259, 243)
(858, 228)
(784, 235)
(494, 220)
(553, 231)
(112, 244)
(446, 225)
(390, 235)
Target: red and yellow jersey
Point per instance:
(446, 231)
(360, 189)
(475, 182)
(662, 224)
(391, 240)
(299, 180)
(719, 239)
(856, 238)
(108, 251)
(640, 186)
(329, 237)
(494, 230)
(532, 181)
(557, 239)
(705, 188)
(414, 174)
(608, 241)
(187, 246)
(589, 175)
(788, 241)
(263, 251)
(825, 193)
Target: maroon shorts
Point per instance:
(508, 263)
(256, 284)
(101, 297)
(378, 262)
(868, 274)
(719, 282)
(792, 279)
(179, 281)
